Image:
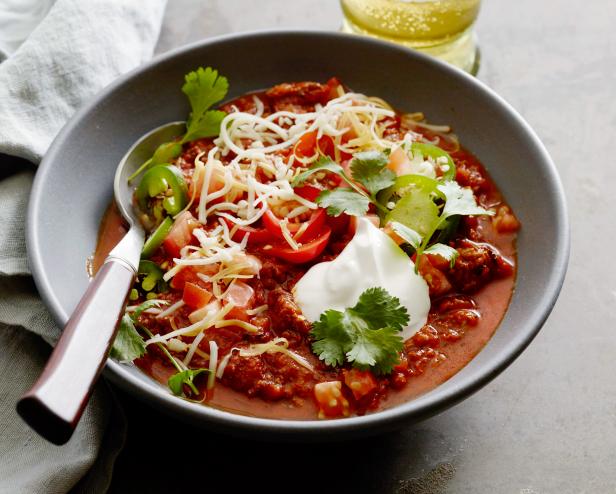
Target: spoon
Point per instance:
(55, 403)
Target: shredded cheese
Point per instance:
(279, 345)
(211, 378)
(170, 310)
(193, 348)
(242, 176)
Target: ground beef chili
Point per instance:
(468, 299)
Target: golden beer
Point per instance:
(442, 28)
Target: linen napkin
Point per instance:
(78, 47)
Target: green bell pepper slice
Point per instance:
(435, 152)
(152, 275)
(165, 180)
(155, 240)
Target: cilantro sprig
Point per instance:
(203, 88)
(366, 335)
(368, 169)
(459, 201)
(129, 345)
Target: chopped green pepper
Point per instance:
(448, 169)
(156, 239)
(152, 274)
(163, 155)
(166, 181)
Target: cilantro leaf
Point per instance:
(354, 200)
(370, 169)
(366, 335)
(446, 252)
(204, 87)
(340, 201)
(209, 126)
(177, 381)
(324, 163)
(407, 234)
(331, 337)
(416, 210)
(128, 344)
(378, 349)
(460, 200)
(379, 309)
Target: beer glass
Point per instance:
(441, 28)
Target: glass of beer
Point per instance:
(441, 28)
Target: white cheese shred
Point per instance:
(211, 378)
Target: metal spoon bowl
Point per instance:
(55, 403)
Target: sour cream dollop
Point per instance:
(371, 259)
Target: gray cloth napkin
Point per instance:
(79, 47)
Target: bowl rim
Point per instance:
(419, 408)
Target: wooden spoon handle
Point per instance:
(55, 403)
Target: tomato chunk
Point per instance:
(239, 294)
(194, 296)
(308, 145)
(330, 400)
(180, 234)
(436, 279)
(191, 274)
(217, 182)
(361, 383)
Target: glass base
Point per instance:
(461, 50)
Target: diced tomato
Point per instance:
(180, 234)
(313, 226)
(194, 296)
(241, 296)
(399, 162)
(209, 309)
(308, 145)
(327, 147)
(436, 279)
(330, 400)
(361, 383)
(306, 252)
(333, 84)
(217, 182)
(189, 274)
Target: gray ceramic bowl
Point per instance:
(74, 185)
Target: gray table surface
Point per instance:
(548, 423)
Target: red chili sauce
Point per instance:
(468, 301)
